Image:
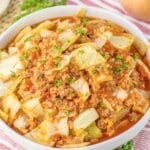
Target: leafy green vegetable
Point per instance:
(29, 6)
(93, 131)
(72, 80)
(118, 58)
(58, 82)
(125, 65)
(127, 146)
(117, 70)
(57, 63)
(80, 30)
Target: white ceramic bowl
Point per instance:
(60, 11)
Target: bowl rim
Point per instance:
(137, 126)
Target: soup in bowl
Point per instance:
(79, 79)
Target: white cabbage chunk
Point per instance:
(33, 108)
(67, 38)
(120, 115)
(82, 88)
(11, 105)
(142, 103)
(86, 56)
(120, 93)
(141, 46)
(6, 88)
(107, 105)
(42, 133)
(85, 119)
(102, 39)
(93, 131)
(9, 65)
(46, 33)
(64, 61)
(13, 50)
(63, 127)
(3, 115)
(143, 68)
(123, 42)
(21, 123)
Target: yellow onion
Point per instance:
(138, 8)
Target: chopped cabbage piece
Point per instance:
(102, 39)
(143, 68)
(33, 108)
(120, 93)
(6, 88)
(107, 105)
(9, 65)
(120, 115)
(141, 46)
(42, 133)
(122, 42)
(3, 115)
(85, 119)
(86, 56)
(93, 131)
(11, 105)
(13, 50)
(45, 33)
(21, 123)
(63, 127)
(82, 88)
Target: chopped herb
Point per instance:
(135, 56)
(72, 80)
(35, 48)
(42, 60)
(93, 71)
(61, 96)
(101, 67)
(57, 63)
(41, 75)
(59, 29)
(86, 94)
(58, 48)
(128, 146)
(57, 83)
(125, 65)
(81, 51)
(67, 112)
(101, 104)
(25, 55)
(80, 30)
(84, 20)
(118, 58)
(103, 54)
(117, 70)
(13, 74)
(28, 38)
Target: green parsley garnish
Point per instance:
(72, 80)
(59, 29)
(128, 146)
(117, 70)
(28, 38)
(29, 6)
(25, 55)
(93, 71)
(35, 48)
(81, 51)
(13, 74)
(125, 65)
(58, 48)
(101, 67)
(42, 60)
(135, 56)
(103, 54)
(80, 30)
(57, 83)
(101, 104)
(57, 63)
(67, 112)
(118, 58)
(84, 20)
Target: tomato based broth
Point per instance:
(73, 81)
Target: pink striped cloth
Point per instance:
(142, 140)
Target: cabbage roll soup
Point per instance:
(73, 81)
